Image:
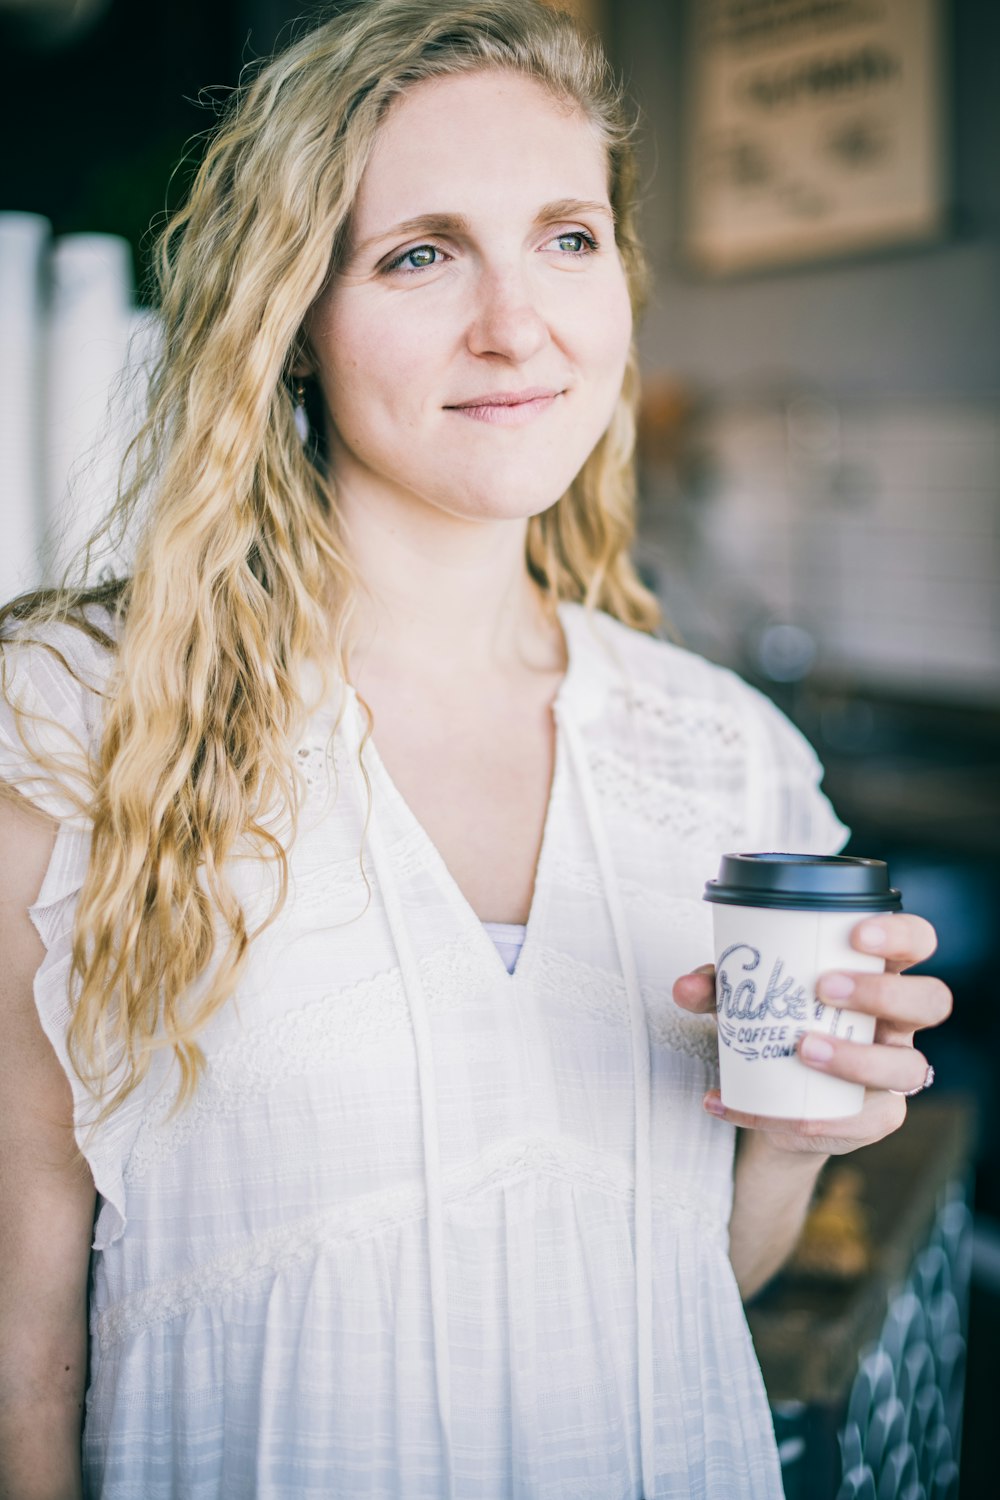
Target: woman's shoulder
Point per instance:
(83, 644)
(701, 719)
(674, 693)
(650, 669)
(54, 683)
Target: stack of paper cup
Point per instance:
(23, 244)
(782, 920)
(89, 326)
(145, 344)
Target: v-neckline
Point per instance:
(468, 919)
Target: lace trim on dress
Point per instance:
(294, 1244)
(327, 883)
(691, 722)
(319, 765)
(598, 993)
(364, 1014)
(296, 1042)
(673, 913)
(680, 812)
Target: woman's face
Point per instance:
(471, 348)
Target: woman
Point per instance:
(393, 1197)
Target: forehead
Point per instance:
(479, 137)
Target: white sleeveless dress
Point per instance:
(430, 1228)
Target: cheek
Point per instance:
(602, 335)
(368, 368)
(613, 329)
(339, 342)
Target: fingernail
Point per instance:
(836, 986)
(816, 1048)
(873, 936)
(715, 1106)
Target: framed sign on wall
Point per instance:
(814, 129)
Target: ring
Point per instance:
(909, 1093)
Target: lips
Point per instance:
(507, 408)
(506, 398)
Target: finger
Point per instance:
(696, 991)
(911, 1002)
(898, 937)
(712, 1102)
(898, 1069)
(786, 1132)
(882, 1113)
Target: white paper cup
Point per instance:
(780, 921)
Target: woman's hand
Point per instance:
(888, 1067)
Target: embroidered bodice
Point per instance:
(430, 1228)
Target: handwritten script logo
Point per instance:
(750, 1010)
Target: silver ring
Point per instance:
(909, 1093)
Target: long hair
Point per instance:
(241, 574)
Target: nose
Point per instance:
(507, 321)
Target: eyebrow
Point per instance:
(458, 224)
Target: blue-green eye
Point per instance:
(575, 242)
(418, 259)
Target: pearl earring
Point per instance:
(301, 416)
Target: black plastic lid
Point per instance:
(804, 882)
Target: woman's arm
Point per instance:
(770, 1197)
(46, 1203)
(778, 1160)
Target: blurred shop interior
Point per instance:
(819, 478)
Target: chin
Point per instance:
(510, 505)
(514, 494)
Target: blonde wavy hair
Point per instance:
(241, 573)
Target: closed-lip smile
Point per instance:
(507, 408)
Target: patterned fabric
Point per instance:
(261, 1308)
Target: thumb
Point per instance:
(696, 991)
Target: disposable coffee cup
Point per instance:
(782, 920)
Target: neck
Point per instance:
(444, 596)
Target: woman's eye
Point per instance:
(575, 242)
(417, 259)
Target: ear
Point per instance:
(301, 365)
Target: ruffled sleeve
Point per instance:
(52, 705)
(787, 812)
(50, 715)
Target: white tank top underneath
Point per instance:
(508, 939)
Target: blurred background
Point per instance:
(820, 432)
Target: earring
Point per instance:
(301, 416)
